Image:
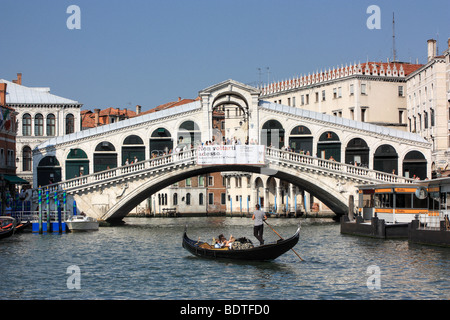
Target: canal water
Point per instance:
(144, 259)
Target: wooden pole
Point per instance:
(282, 239)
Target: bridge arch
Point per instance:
(317, 188)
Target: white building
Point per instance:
(428, 106)
(40, 116)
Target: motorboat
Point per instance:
(82, 223)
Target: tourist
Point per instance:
(258, 227)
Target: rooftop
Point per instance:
(20, 95)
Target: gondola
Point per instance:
(264, 252)
(7, 226)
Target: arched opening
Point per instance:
(329, 146)
(133, 149)
(160, 142)
(357, 152)
(27, 159)
(77, 164)
(415, 165)
(70, 124)
(230, 119)
(51, 125)
(259, 186)
(301, 140)
(189, 134)
(48, 171)
(105, 156)
(38, 125)
(385, 159)
(272, 134)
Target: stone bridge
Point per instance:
(91, 165)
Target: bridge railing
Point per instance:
(333, 166)
(272, 154)
(130, 169)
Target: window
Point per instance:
(363, 88)
(400, 91)
(188, 182)
(307, 99)
(26, 125)
(363, 115)
(425, 119)
(302, 98)
(211, 198)
(317, 97)
(188, 199)
(334, 93)
(39, 125)
(432, 117)
(210, 181)
(201, 181)
(400, 116)
(51, 125)
(323, 95)
(70, 124)
(339, 92)
(26, 159)
(175, 199)
(200, 199)
(352, 90)
(293, 101)
(223, 198)
(289, 102)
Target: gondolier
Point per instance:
(258, 228)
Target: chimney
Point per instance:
(3, 94)
(138, 109)
(448, 43)
(431, 49)
(19, 79)
(97, 117)
(179, 99)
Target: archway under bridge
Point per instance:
(123, 197)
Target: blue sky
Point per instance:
(151, 52)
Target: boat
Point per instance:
(82, 223)
(7, 226)
(263, 252)
(22, 226)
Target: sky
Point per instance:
(145, 52)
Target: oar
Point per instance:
(282, 239)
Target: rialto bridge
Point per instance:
(327, 156)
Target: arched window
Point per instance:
(26, 125)
(188, 199)
(51, 122)
(26, 159)
(39, 125)
(200, 199)
(70, 123)
(175, 199)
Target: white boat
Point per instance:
(82, 223)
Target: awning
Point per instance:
(14, 179)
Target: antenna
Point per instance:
(393, 37)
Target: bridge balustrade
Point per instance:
(283, 157)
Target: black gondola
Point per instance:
(7, 226)
(259, 253)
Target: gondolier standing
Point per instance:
(258, 228)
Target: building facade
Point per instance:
(373, 92)
(428, 106)
(40, 116)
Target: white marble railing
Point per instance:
(299, 161)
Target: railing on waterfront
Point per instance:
(190, 156)
(33, 216)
